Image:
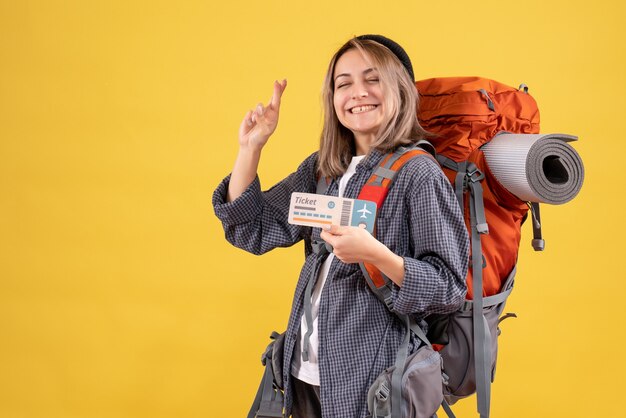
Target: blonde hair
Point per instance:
(400, 125)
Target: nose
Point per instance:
(359, 91)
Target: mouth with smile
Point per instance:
(362, 109)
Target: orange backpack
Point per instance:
(463, 114)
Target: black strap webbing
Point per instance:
(268, 402)
(538, 242)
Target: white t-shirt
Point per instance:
(308, 371)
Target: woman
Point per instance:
(331, 359)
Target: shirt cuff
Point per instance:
(245, 208)
(415, 294)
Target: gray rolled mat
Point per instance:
(536, 168)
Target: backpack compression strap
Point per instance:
(468, 178)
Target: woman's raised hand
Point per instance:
(259, 124)
(255, 129)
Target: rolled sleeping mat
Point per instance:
(536, 168)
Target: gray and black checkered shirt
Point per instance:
(358, 336)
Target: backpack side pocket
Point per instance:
(422, 387)
(458, 354)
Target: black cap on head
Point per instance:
(397, 50)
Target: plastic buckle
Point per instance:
(382, 393)
(389, 303)
(474, 174)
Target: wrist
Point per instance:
(250, 151)
(378, 253)
(248, 159)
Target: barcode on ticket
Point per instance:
(346, 211)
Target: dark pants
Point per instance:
(306, 400)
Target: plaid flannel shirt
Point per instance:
(420, 220)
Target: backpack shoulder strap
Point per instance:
(376, 190)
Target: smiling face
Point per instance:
(358, 98)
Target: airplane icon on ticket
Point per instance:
(364, 212)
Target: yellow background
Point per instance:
(119, 296)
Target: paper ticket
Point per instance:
(316, 210)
